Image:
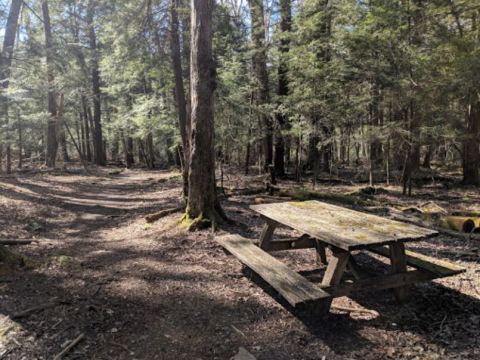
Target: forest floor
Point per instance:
(157, 291)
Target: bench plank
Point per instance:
(341, 227)
(292, 286)
(439, 267)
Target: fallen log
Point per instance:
(418, 222)
(458, 223)
(245, 191)
(16, 242)
(160, 214)
(26, 312)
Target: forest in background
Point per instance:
(386, 87)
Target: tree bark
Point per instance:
(5, 63)
(183, 121)
(262, 96)
(471, 146)
(85, 114)
(150, 151)
(282, 120)
(202, 200)
(52, 140)
(99, 157)
(20, 140)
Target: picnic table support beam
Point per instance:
(389, 281)
(357, 272)
(398, 262)
(267, 234)
(336, 267)
(321, 253)
(333, 275)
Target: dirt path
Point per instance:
(140, 291)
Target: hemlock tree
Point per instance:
(203, 205)
(99, 157)
(52, 142)
(5, 62)
(262, 94)
(282, 92)
(183, 121)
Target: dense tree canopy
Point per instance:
(391, 87)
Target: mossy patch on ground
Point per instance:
(10, 260)
(198, 223)
(63, 261)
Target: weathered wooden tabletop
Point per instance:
(341, 227)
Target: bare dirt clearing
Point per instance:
(156, 291)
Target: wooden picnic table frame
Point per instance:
(400, 278)
(339, 260)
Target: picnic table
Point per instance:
(345, 233)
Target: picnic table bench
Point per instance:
(342, 231)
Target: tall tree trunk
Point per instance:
(52, 140)
(20, 140)
(62, 139)
(99, 157)
(5, 63)
(131, 158)
(80, 135)
(150, 151)
(183, 121)
(126, 152)
(63, 143)
(202, 199)
(262, 96)
(416, 33)
(471, 146)
(282, 120)
(88, 150)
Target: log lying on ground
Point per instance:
(347, 199)
(52, 303)
(469, 213)
(265, 199)
(160, 214)
(245, 191)
(458, 223)
(15, 242)
(418, 222)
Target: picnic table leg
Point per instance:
(355, 269)
(336, 267)
(398, 262)
(333, 275)
(321, 253)
(267, 233)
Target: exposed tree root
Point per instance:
(150, 218)
(202, 222)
